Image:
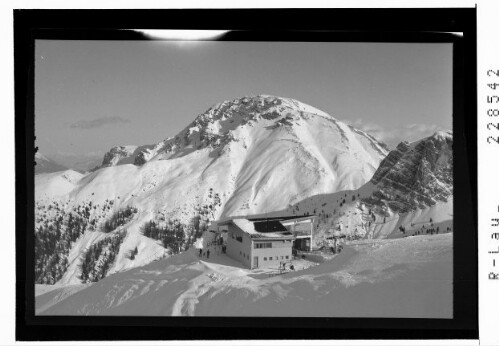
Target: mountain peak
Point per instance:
(438, 136)
(117, 153)
(261, 103)
(216, 127)
(442, 135)
(219, 124)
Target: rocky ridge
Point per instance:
(412, 188)
(414, 175)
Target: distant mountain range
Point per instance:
(46, 165)
(63, 162)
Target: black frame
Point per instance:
(352, 25)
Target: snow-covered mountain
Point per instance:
(57, 184)
(117, 154)
(125, 154)
(46, 165)
(412, 189)
(250, 155)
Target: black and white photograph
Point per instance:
(213, 178)
(251, 173)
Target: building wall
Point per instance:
(278, 252)
(208, 237)
(240, 251)
(303, 227)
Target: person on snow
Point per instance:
(208, 254)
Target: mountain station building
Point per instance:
(265, 242)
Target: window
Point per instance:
(240, 253)
(270, 258)
(287, 257)
(239, 239)
(262, 245)
(265, 258)
(282, 257)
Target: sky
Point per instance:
(93, 95)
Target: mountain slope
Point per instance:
(125, 154)
(57, 184)
(46, 165)
(411, 188)
(246, 156)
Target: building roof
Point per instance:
(258, 218)
(244, 225)
(259, 230)
(281, 218)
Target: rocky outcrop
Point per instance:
(414, 175)
(140, 159)
(116, 154)
(144, 153)
(227, 116)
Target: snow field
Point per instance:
(409, 277)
